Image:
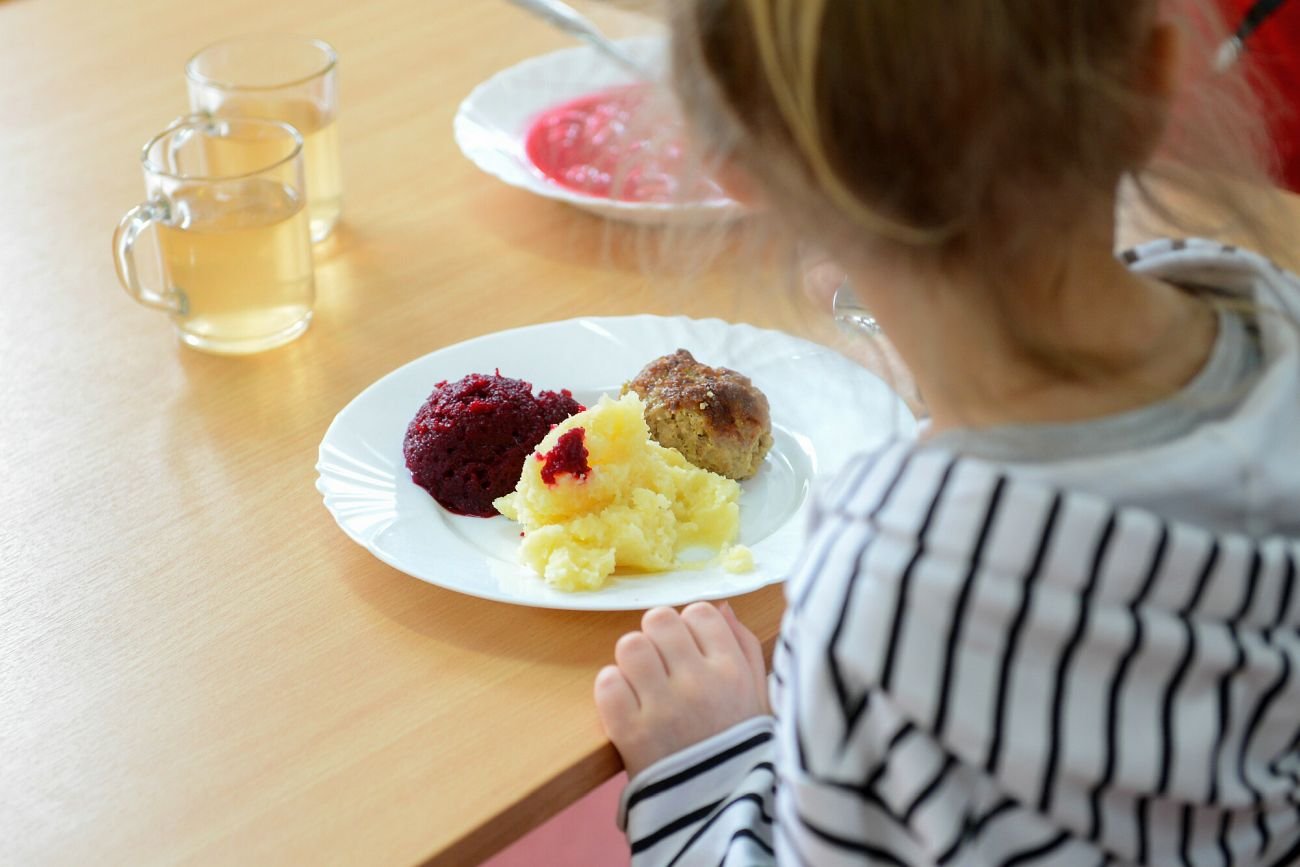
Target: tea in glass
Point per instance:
(226, 199)
(285, 78)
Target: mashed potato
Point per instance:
(627, 501)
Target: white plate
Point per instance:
(824, 408)
(493, 121)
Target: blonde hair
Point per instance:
(959, 127)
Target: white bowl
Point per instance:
(492, 124)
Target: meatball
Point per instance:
(714, 416)
(467, 444)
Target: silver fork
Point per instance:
(572, 22)
(849, 312)
(855, 319)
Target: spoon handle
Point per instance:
(566, 18)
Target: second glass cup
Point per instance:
(286, 78)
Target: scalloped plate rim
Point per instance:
(546, 597)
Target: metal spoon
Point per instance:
(569, 20)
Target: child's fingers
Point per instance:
(615, 699)
(670, 635)
(640, 663)
(711, 631)
(748, 641)
(753, 650)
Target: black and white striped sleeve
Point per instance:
(976, 669)
(708, 804)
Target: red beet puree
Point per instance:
(617, 144)
(568, 456)
(467, 444)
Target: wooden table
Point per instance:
(195, 664)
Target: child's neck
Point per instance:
(1067, 336)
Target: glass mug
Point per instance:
(225, 197)
(285, 78)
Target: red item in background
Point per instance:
(1273, 55)
(582, 835)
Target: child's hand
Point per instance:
(683, 678)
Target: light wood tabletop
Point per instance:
(196, 665)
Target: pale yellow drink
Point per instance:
(242, 274)
(320, 150)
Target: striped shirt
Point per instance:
(978, 667)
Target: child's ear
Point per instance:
(1159, 79)
(1162, 72)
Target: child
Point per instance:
(1062, 628)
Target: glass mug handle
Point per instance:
(124, 237)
